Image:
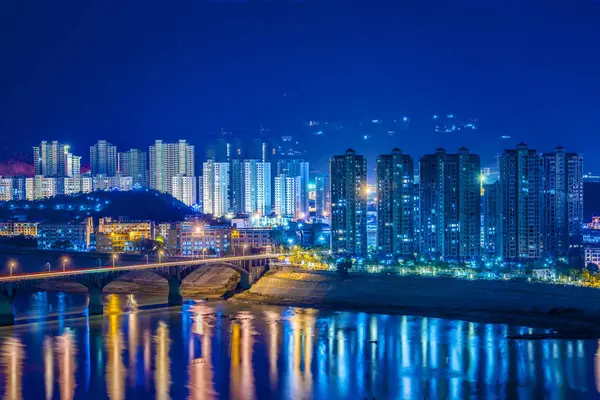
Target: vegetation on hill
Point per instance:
(132, 205)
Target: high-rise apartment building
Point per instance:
(49, 159)
(450, 204)
(134, 163)
(322, 196)
(103, 159)
(292, 168)
(562, 203)
(236, 185)
(395, 208)
(520, 185)
(184, 189)
(491, 219)
(348, 174)
(215, 190)
(168, 160)
(73, 168)
(287, 196)
(257, 187)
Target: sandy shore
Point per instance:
(566, 308)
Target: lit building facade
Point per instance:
(40, 187)
(520, 186)
(134, 163)
(49, 159)
(103, 158)
(251, 238)
(287, 197)
(348, 174)
(257, 187)
(491, 220)
(215, 188)
(450, 204)
(122, 236)
(297, 168)
(395, 208)
(184, 189)
(322, 196)
(199, 240)
(562, 203)
(71, 236)
(168, 160)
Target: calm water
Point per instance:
(218, 350)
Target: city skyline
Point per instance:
(532, 79)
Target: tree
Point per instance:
(62, 245)
(344, 267)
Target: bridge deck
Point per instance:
(139, 267)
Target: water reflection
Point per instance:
(115, 368)
(67, 352)
(48, 368)
(220, 351)
(162, 373)
(13, 356)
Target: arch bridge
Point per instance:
(96, 279)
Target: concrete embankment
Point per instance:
(521, 303)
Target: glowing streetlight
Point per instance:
(64, 263)
(11, 266)
(114, 257)
(160, 254)
(203, 253)
(245, 247)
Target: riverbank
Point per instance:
(565, 308)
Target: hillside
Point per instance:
(132, 205)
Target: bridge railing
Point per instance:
(138, 267)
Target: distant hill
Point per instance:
(132, 205)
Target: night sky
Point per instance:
(135, 71)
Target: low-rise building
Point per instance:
(253, 238)
(121, 236)
(29, 229)
(198, 240)
(67, 236)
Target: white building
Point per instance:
(288, 199)
(168, 160)
(184, 189)
(257, 187)
(6, 189)
(215, 188)
(40, 187)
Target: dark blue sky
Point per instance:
(135, 71)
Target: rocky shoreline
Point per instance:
(567, 310)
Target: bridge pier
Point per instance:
(7, 315)
(175, 297)
(95, 306)
(245, 281)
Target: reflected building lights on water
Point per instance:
(162, 372)
(201, 369)
(13, 356)
(242, 343)
(48, 368)
(115, 369)
(289, 353)
(66, 350)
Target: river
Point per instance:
(233, 351)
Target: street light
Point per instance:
(64, 263)
(245, 246)
(160, 254)
(114, 257)
(11, 265)
(204, 253)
